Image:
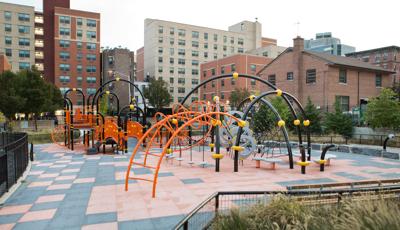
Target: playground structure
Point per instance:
(93, 129)
(219, 128)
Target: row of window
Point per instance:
(232, 68)
(66, 79)
(79, 21)
(88, 90)
(21, 29)
(195, 44)
(233, 82)
(66, 55)
(194, 53)
(21, 41)
(66, 67)
(182, 81)
(196, 35)
(66, 44)
(23, 17)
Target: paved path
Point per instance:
(69, 190)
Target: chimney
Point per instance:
(298, 44)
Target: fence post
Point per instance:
(186, 225)
(217, 202)
(331, 139)
(31, 152)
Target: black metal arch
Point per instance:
(227, 76)
(119, 80)
(284, 131)
(110, 93)
(76, 90)
(255, 100)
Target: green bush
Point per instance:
(284, 213)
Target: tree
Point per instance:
(55, 100)
(314, 115)
(384, 111)
(339, 123)
(158, 94)
(11, 101)
(237, 96)
(396, 90)
(264, 120)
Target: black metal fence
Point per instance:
(14, 158)
(362, 139)
(222, 202)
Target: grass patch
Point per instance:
(285, 213)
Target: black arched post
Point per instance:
(324, 150)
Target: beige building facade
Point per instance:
(174, 51)
(17, 35)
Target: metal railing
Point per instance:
(222, 202)
(14, 158)
(362, 139)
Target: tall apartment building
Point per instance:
(174, 51)
(39, 42)
(385, 57)
(325, 43)
(17, 35)
(72, 50)
(241, 63)
(119, 62)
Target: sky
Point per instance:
(364, 24)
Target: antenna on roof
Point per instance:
(298, 27)
(256, 19)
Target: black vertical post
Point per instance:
(31, 152)
(303, 159)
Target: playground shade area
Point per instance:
(70, 190)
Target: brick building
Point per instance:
(325, 78)
(119, 62)
(385, 57)
(39, 42)
(241, 63)
(72, 50)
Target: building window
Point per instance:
(253, 82)
(171, 41)
(204, 73)
(65, 19)
(212, 72)
(195, 81)
(7, 15)
(160, 69)
(233, 67)
(65, 79)
(195, 62)
(378, 80)
(90, 69)
(342, 76)
(64, 67)
(253, 68)
(79, 45)
(171, 51)
(91, 80)
(289, 76)
(215, 47)
(64, 55)
(377, 58)
(171, 89)
(206, 54)
(182, 32)
(181, 90)
(79, 68)
(160, 60)
(222, 95)
(215, 56)
(171, 60)
(205, 36)
(224, 48)
(272, 79)
(171, 31)
(222, 69)
(8, 40)
(181, 80)
(232, 40)
(160, 39)
(79, 34)
(181, 42)
(7, 28)
(195, 53)
(181, 52)
(240, 41)
(23, 17)
(79, 21)
(24, 65)
(181, 61)
(90, 23)
(215, 37)
(91, 46)
(23, 29)
(91, 34)
(343, 102)
(213, 84)
(195, 72)
(195, 44)
(91, 57)
(24, 54)
(64, 43)
(225, 39)
(8, 52)
(311, 76)
(240, 50)
(205, 45)
(79, 56)
(195, 34)
(160, 29)
(181, 71)
(171, 70)
(64, 31)
(222, 82)
(171, 80)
